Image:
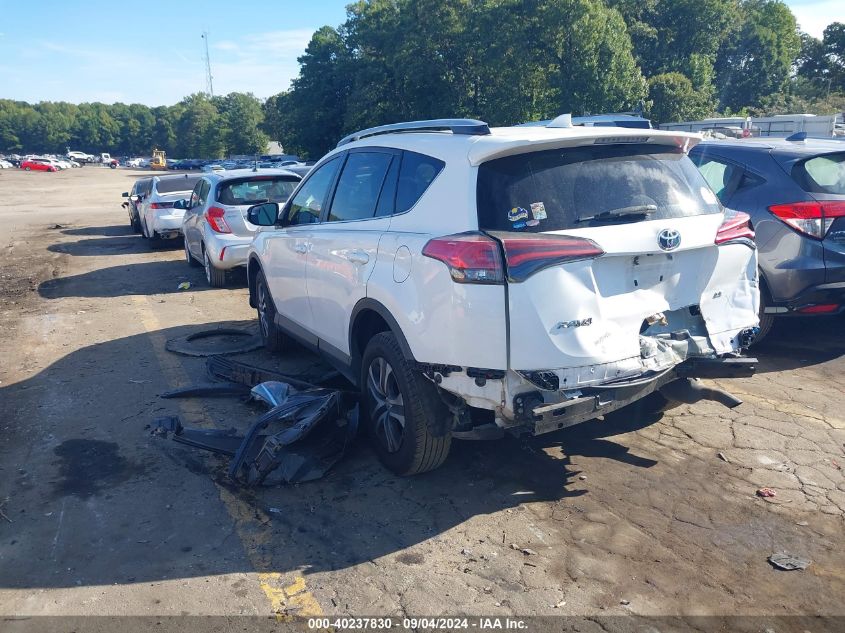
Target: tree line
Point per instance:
(511, 61)
(197, 126)
(503, 61)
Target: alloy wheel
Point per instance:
(387, 407)
(263, 316)
(207, 265)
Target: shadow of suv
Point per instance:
(794, 190)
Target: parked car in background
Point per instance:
(134, 198)
(794, 191)
(471, 281)
(300, 168)
(212, 167)
(160, 217)
(5, 164)
(38, 164)
(216, 230)
(81, 157)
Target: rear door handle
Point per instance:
(301, 248)
(358, 257)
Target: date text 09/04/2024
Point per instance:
(424, 623)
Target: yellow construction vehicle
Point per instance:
(159, 161)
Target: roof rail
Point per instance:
(456, 126)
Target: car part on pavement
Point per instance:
(317, 427)
(247, 342)
(787, 562)
(211, 389)
(221, 368)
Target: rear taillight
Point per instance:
(214, 216)
(472, 258)
(161, 205)
(810, 218)
(476, 258)
(525, 254)
(736, 226)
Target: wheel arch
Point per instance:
(368, 318)
(252, 268)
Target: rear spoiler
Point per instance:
(538, 139)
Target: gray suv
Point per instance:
(794, 190)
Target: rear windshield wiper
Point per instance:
(639, 209)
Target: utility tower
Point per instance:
(209, 84)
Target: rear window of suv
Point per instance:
(253, 190)
(822, 174)
(172, 185)
(571, 188)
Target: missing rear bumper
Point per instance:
(679, 383)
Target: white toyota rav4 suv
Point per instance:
(472, 281)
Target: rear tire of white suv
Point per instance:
(400, 404)
(215, 277)
(273, 338)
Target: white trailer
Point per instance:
(780, 125)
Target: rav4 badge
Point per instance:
(565, 325)
(668, 239)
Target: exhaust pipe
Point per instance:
(691, 390)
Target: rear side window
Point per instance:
(718, 175)
(590, 186)
(359, 186)
(250, 191)
(172, 185)
(822, 174)
(415, 175)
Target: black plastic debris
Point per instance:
(225, 341)
(209, 390)
(300, 438)
(220, 368)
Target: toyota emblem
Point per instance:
(668, 239)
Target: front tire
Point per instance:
(215, 277)
(273, 338)
(402, 407)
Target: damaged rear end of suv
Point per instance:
(474, 281)
(624, 281)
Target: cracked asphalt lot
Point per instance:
(647, 516)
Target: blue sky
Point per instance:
(152, 52)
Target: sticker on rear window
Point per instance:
(708, 195)
(532, 222)
(538, 209)
(519, 225)
(517, 213)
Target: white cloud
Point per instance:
(225, 45)
(814, 15)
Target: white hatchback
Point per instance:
(472, 281)
(217, 233)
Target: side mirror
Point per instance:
(180, 204)
(264, 214)
(125, 194)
